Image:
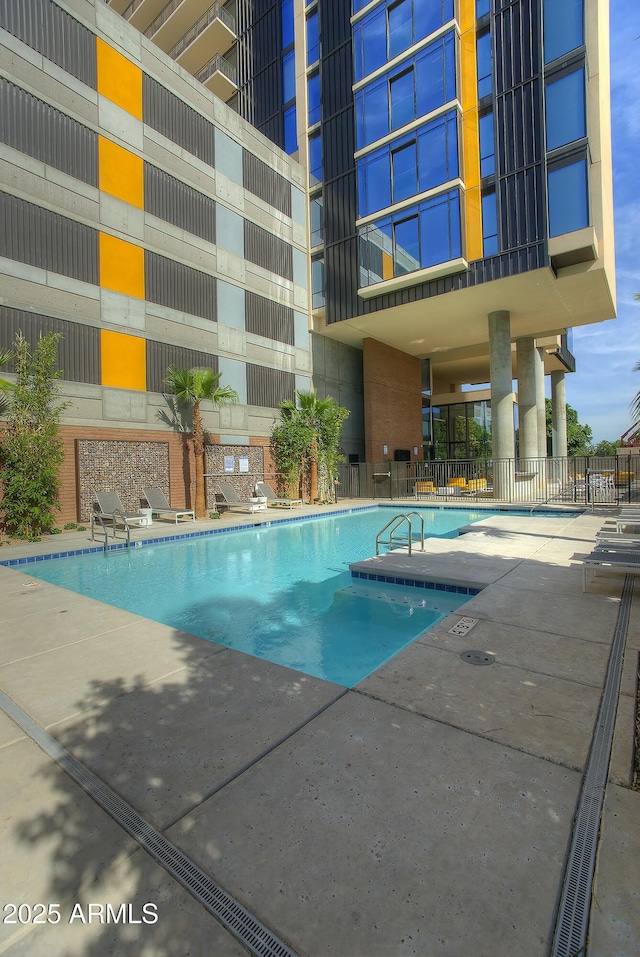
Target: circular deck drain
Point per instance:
(477, 658)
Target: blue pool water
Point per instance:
(282, 592)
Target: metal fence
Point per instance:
(581, 480)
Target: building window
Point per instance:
(317, 283)
(568, 197)
(313, 98)
(286, 15)
(487, 145)
(563, 27)
(316, 211)
(392, 28)
(383, 180)
(413, 239)
(565, 109)
(290, 131)
(399, 27)
(288, 77)
(490, 225)
(485, 65)
(315, 159)
(313, 39)
(404, 172)
(482, 8)
(417, 87)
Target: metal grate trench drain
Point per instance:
(572, 924)
(257, 939)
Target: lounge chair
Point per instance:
(159, 504)
(231, 499)
(272, 499)
(109, 508)
(621, 562)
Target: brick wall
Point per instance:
(392, 403)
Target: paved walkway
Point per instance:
(427, 811)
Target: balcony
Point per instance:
(219, 76)
(177, 18)
(215, 31)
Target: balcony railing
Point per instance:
(217, 63)
(215, 12)
(162, 17)
(129, 11)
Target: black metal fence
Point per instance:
(581, 480)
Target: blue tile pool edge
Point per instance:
(144, 543)
(417, 583)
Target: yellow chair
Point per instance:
(477, 485)
(425, 488)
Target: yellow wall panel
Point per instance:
(121, 266)
(387, 266)
(473, 224)
(468, 70)
(467, 15)
(123, 360)
(119, 79)
(121, 173)
(470, 149)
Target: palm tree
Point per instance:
(191, 387)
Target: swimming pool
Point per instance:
(281, 591)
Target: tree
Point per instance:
(32, 452)
(191, 388)
(306, 441)
(579, 437)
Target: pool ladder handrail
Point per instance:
(394, 524)
(96, 515)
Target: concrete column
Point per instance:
(559, 414)
(540, 404)
(527, 412)
(501, 385)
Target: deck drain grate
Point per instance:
(246, 928)
(477, 658)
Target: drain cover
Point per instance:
(477, 658)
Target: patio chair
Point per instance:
(109, 508)
(272, 499)
(159, 504)
(231, 499)
(620, 562)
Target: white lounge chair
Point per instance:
(159, 504)
(272, 499)
(231, 499)
(620, 562)
(109, 508)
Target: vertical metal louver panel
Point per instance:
(33, 127)
(175, 202)
(47, 28)
(78, 347)
(269, 319)
(267, 388)
(162, 355)
(179, 287)
(264, 182)
(266, 250)
(42, 238)
(181, 124)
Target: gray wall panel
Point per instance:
(269, 319)
(264, 249)
(161, 355)
(269, 387)
(264, 182)
(31, 126)
(78, 347)
(177, 121)
(179, 287)
(45, 239)
(175, 202)
(45, 27)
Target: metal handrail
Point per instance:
(396, 522)
(131, 9)
(215, 12)
(95, 515)
(218, 62)
(162, 18)
(421, 517)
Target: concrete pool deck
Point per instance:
(426, 811)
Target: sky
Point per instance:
(604, 383)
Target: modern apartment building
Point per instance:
(451, 220)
